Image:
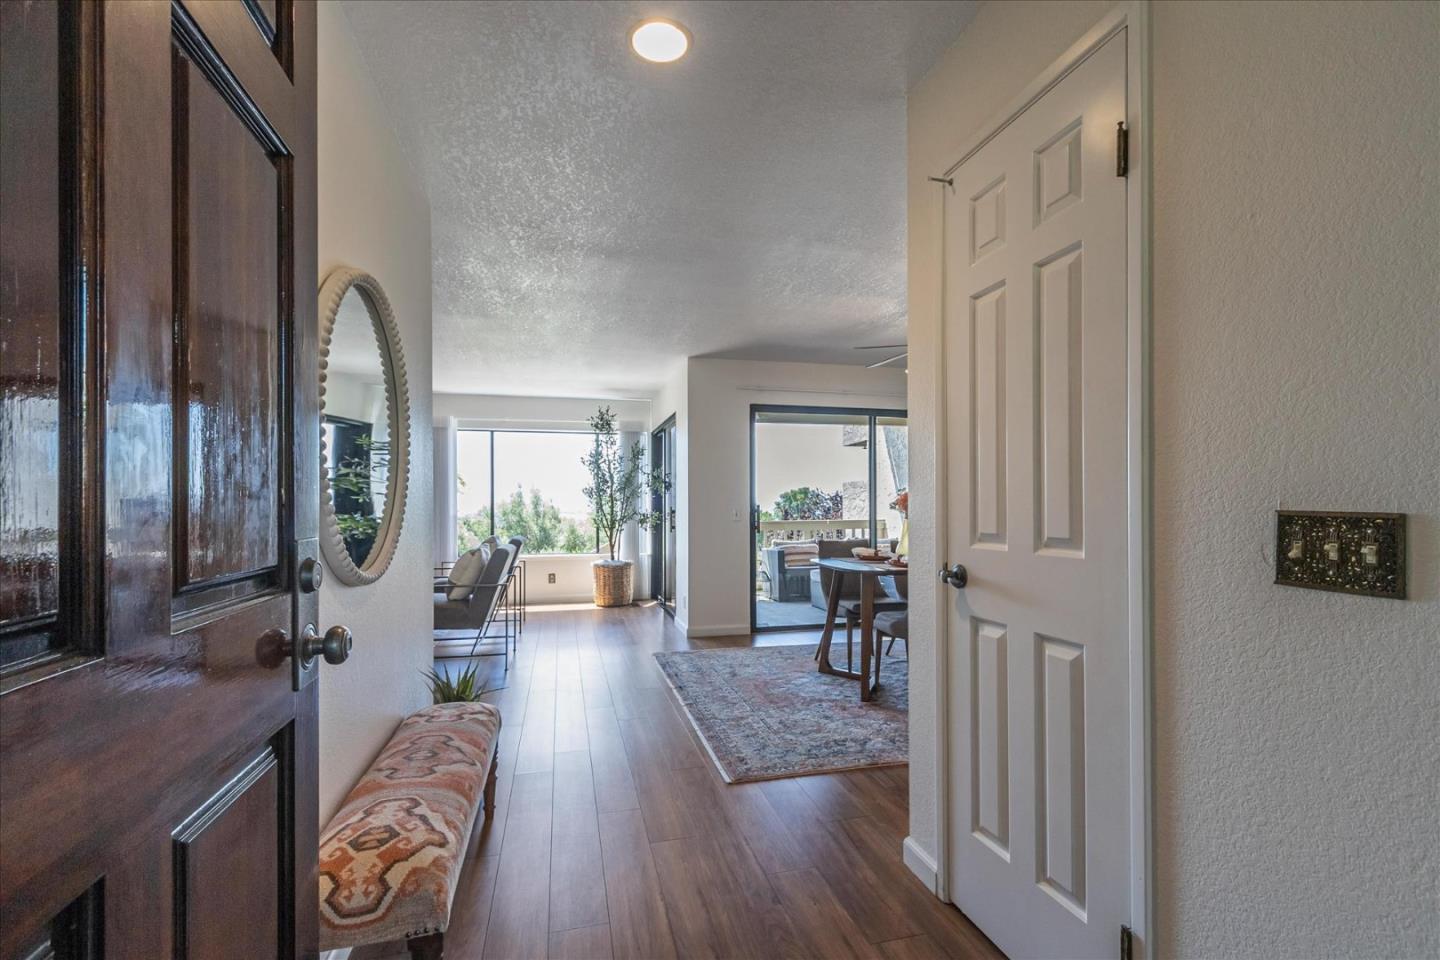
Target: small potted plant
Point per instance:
(464, 687)
(618, 481)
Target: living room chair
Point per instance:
(519, 586)
(894, 624)
(475, 605)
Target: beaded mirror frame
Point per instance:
(339, 282)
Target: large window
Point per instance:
(525, 483)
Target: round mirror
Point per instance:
(365, 416)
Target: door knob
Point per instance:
(334, 646)
(956, 576)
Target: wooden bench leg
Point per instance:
(490, 784)
(429, 947)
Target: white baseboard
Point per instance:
(922, 865)
(739, 630)
(542, 599)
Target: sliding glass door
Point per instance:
(662, 536)
(824, 481)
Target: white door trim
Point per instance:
(1134, 14)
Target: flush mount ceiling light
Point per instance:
(659, 40)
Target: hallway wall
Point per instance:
(1296, 362)
(374, 215)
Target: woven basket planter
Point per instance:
(613, 582)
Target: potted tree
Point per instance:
(618, 482)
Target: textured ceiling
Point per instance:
(596, 218)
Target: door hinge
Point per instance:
(1122, 150)
(1127, 942)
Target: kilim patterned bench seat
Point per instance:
(390, 860)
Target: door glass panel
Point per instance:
(228, 329)
(30, 326)
(812, 499)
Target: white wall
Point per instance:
(374, 215)
(1296, 362)
(537, 413)
(717, 582)
(446, 536)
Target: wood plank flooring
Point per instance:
(615, 837)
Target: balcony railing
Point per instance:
(773, 530)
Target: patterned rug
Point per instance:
(766, 712)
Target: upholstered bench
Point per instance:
(390, 860)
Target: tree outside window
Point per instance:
(523, 483)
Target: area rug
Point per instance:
(766, 712)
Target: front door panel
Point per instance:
(228, 297)
(157, 765)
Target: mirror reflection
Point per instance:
(357, 425)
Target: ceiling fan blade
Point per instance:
(885, 346)
(887, 361)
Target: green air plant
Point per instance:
(464, 687)
(618, 481)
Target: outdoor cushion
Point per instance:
(391, 857)
(800, 554)
(465, 572)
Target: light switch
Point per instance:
(1345, 552)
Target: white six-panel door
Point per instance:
(1035, 374)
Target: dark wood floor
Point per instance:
(614, 836)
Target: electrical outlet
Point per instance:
(550, 579)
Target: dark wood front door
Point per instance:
(158, 478)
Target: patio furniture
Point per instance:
(787, 568)
(480, 605)
(390, 859)
(868, 573)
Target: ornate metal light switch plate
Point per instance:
(1346, 552)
